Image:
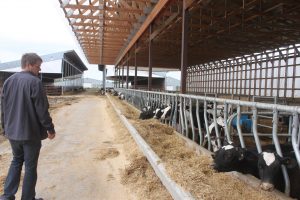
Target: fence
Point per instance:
(265, 119)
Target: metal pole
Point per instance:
(184, 45)
(104, 78)
(150, 59)
(127, 75)
(135, 65)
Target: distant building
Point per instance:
(160, 82)
(60, 71)
(172, 84)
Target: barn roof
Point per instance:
(114, 31)
(51, 62)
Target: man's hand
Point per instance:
(51, 135)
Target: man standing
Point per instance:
(25, 121)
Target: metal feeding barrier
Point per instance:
(231, 118)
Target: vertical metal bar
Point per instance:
(191, 119)
(216, 124)
(199, 123)
(236, 77)
(294, 73)
(294, 136)
(254, 129)
(278, 150)
(206, 125)
(181, 116)
(290, 128)
(127, 75)
(185, 118)
(135, 65)
(244, 77)
(278, 77)
(123, 75)
(175, 112)
(225, 123)
(119, 69)
(272, 74)
(104, 79)
(250, 79)
(266, 74)
(150, 59)
(260, 75)
(62, 76)
(286, 73)
(239, 126)
(184, 48)
(240, 72)
(255, 77)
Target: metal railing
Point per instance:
(181, 118)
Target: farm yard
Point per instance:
(93, 156)
(228, 129)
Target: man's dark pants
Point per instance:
(27, 152)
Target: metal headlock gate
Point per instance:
(183, 121)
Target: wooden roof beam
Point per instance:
(110, 9)
(156, 11)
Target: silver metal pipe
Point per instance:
(185, 118)
(254, 129)
(278, 150)
(181, 117)
(290, 127)
(199, 123)
(206, 126)
(216, 125)
(225, 123)
(238, 126)
(294, 137)
(191, 119)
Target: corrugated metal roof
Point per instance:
(70, 56)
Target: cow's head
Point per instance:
(269, 166)
(228, 158)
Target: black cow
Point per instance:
(270, 173)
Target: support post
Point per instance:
(127, 75)
(119, 69)
(184, 45)
(104, 78)
(135, 65)
(150, 60)
(123, 75)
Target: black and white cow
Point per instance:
(147, 113)
(244, 160)
(121, 96)
(232, 158)
(270, 173)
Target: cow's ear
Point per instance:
(289, 162)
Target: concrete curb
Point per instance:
(176, 191)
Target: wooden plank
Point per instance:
(157, 9)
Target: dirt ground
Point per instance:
(92, 157)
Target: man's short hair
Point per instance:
(30, 59)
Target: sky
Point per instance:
(39, 26)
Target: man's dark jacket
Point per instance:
(24, 108)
